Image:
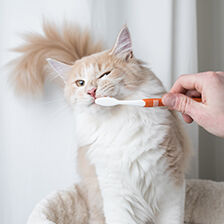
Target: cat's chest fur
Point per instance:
(129, 157)
(119, 141)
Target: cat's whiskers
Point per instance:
(108, 88)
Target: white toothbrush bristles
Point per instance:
(110, 101)
(107, 101)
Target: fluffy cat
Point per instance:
(131, 159)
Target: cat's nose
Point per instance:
(92, 92)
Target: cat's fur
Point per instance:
(131, 159)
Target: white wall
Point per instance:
(36, 140)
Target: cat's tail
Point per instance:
(65, 43)
(65, 206)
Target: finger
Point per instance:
(188, 82)
(187, 118)
(220, 73)
(193, 93)
(183, 104)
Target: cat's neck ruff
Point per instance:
(113, 129)
(119, 127)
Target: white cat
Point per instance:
(131, 159)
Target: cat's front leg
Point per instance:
(116, 207)
(172, 207)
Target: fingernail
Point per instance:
(169, 100)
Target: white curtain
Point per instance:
(164, 34)
(36, 154)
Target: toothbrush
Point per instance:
(153, 102)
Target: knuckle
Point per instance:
(220, 72)
(183, 104)
(210, 72)
(182, 77)
(212, 75)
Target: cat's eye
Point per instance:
(105, 73)
(80, 83)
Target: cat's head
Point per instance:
(113, 72)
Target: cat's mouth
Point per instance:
(95, 98)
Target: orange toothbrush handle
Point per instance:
(197, 99)
(153, 102)
(157, 102)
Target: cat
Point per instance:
(131, 159)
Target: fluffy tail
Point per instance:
(66, 43)
(61, 207)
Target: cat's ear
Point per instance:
(60, 68)
(123, 45)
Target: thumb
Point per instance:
(182, 103)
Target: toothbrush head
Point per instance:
(107, 101)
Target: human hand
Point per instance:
(210, 87)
